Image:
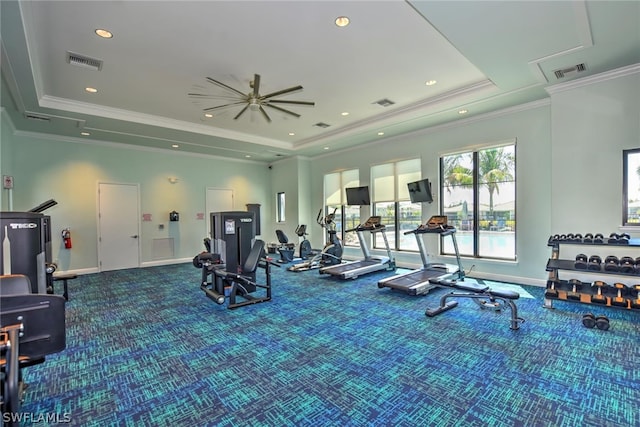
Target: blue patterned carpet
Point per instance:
(145, 347)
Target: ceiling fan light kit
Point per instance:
(253, 100)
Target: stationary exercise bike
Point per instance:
(286, 249)
(331, 253)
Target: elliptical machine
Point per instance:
(331, 254)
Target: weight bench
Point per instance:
(233, 285)
(31, 327)
(481, 294)
(64, 278)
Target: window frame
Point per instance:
(476, 188)
(625, 186)
(395, 241)
(280, 207)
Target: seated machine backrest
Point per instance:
(251, 264)
(282, 238)
(14, 284)
(43, 320)
(301, 230)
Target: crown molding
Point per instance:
(596, 78)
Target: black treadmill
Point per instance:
(353, 269)
(420, 281)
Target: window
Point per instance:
(347, 217)
(631, 187)
(391, 202)
(478, 196)
(280, 207)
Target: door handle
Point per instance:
(135, 236)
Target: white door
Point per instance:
(217, 200)
(118, 226)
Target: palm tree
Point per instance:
(495, 166)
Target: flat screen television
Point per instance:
(420, 191)
(358, 196)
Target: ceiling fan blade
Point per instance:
(264, 113)
(282, 109)
(241, 111)
(256, 85)
(282, 101)
(281, 92)
(217, 107)
(215, 82)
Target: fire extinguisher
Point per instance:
(66, 236)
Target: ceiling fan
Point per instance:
(253, 100)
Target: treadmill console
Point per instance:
(372, 223)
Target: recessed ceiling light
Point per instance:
(85, 133)
(208, 115)
(105, 34)
(463, 111)
(248, 155)
(291, 133)
(344, 113)
(175, 145)
(430, 82)
(326, 148)
(91, 89)
(342, 21)
(380, 133)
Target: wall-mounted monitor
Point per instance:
(358, 196)
(420, 191)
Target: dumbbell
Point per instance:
(627, 265)
(620, 299)
(611, 263)
(635, 303)
(598, 238)
(599, 287)
(588, 238)
(577, 238)
(574, 293)
(551, 291)
(600, 322)
(619, 239)
(595, 263)
(581, 262)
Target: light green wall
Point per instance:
(69, 172)
(591, 125)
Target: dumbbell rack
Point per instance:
(555, 264)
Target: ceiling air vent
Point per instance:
(322, 125)
(84, 61)
(567, 72)
(384, 102)
(37, 117)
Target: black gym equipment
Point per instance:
(552, 291)
(285, 249)
(619, 239)
(574, 293)
(233, 284)
(370, 264)
(589, 320)
(581, 262)
(600, 288)
(611, 263)
(598, 238)
(26, 246)
(32, 327)
(331, 253)
(595, 263)
(481, 294)
(627, 265)
(232, 235)
(622, 291)
(417, 282)
(588, 238)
